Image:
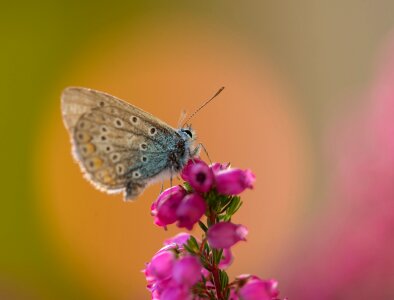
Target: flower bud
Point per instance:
(234, 181)
(226, 234)
(165, 207)
(191, 209)
(198, 174)
(187, 271)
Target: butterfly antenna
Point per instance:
(205, 103)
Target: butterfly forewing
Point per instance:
(117, 145)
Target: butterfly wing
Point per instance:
(117, 145)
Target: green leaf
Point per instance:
(187, 187)
(203, 226)
(206, 264)
(189, 249)
(225, 204)
(227, 293)
(207, 249)
(193, 243)
(234, 206)
(215, 201)
(217, 255)
(226, 218)
(238, 207)
(223, 279)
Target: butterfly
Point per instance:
(120, 147)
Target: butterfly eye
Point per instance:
(188, 132)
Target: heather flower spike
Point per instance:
(188, 268)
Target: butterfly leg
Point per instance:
(196, 150)
(194, 153)
(206, 152)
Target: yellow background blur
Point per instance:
(285, 65)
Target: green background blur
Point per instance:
(321, 48)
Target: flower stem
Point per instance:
(212, 218)
(216, 279)
(215, 269)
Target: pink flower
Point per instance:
(191, 209)
(205, 273)
(161, 265)
(165, 207)
(226, 234)
(187, 271)
(176, 293)
(254, 288)
(234, 181)
(233, 294)
(171, 276)
(180, 239)
(272, 287)
(186, 171)
(198, 174)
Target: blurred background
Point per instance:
(308, 106)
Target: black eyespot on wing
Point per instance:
(188, 132)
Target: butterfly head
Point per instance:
(188, 136)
